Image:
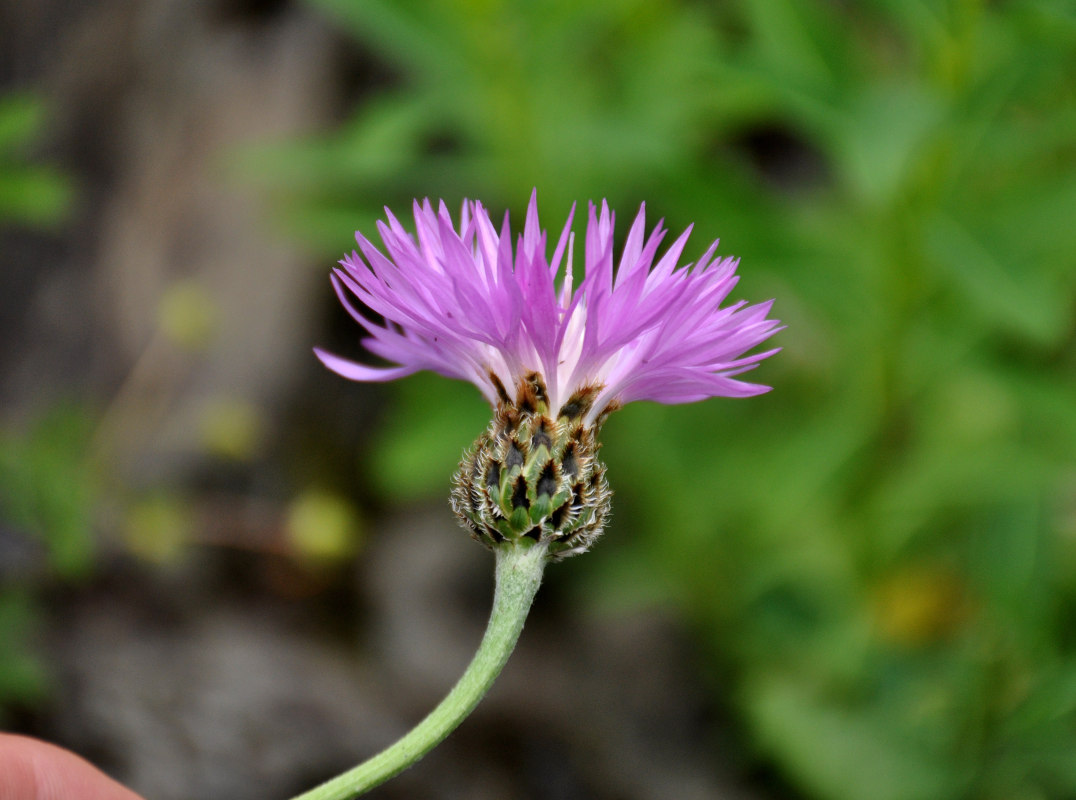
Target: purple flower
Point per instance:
(465, 304)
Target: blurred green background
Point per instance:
(877, 560)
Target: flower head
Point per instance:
(464, 304)
(552, 356)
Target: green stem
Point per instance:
(519, 572)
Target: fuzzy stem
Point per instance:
(519, 573)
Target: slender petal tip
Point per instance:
(462, 301)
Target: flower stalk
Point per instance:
(518, 575)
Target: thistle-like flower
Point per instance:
(552, 357)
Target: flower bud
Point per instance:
(533, 476)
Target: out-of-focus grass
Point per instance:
(882, 553)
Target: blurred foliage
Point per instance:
(45, 488)
(30, 194)
(188, 315)
(322, 527)
(46, 494)
(159, 526)
(879, 556)
(417, 453)
(23, 678)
